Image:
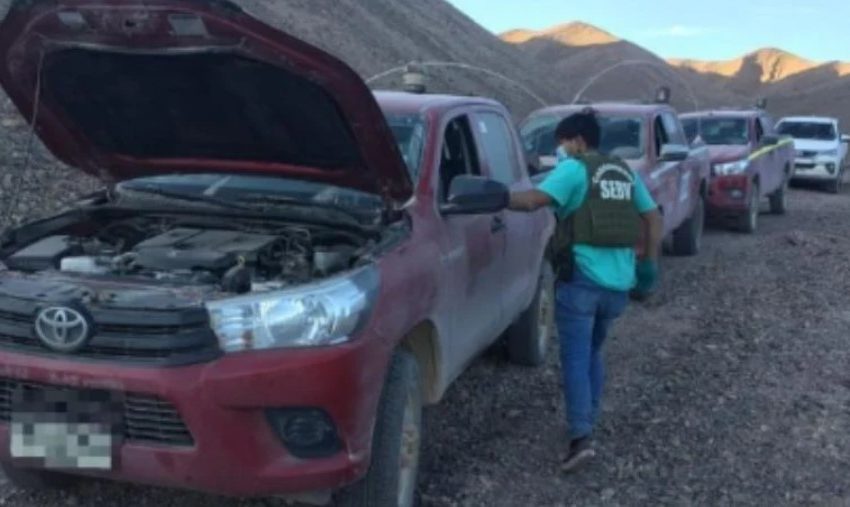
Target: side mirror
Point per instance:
(769, 140)
(475, 195)
(674, 153)
(845, 138)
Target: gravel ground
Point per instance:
(730, 388)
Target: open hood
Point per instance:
(129, 88)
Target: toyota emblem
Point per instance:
(62, 329)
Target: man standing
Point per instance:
(601, 206)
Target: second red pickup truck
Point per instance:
(650, 139)
(749, 162)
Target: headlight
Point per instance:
(731, 168)
(829, 153)
(321, 314)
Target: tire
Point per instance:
(748, 222)
(836, 185)
(779, 200)
(528, 338)
(396, 442)
(38, 480)
(687, 239)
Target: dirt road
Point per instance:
(733, 387)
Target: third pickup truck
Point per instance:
(749, 162)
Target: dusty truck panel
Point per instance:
(749, 160)
(650, 139)
(258, 313)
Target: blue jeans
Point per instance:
(584, 313)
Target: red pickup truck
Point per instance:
(749, 162)
(650, 138)
(282, 269)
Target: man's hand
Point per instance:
(529, 200)
(647, 277)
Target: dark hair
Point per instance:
(583, 124)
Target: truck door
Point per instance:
(766, 161)
(689, 169)
(472, 252)
(503, 163)
(664, 177)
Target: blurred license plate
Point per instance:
(65, 429)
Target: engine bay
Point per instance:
(238, 257)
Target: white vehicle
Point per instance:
(820, 146)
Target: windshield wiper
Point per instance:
(202, 198)
(282, 200)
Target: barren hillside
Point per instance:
(378, 35)
(792, 84)
(579, 52)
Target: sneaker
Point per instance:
(581, 452)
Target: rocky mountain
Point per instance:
(596, 65)
(792, 84)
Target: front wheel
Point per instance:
(687, 239)
(779, 200)
(528, 338)
(396, 443)
(836, 184)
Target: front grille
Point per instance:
(147, 419)
(807, 154)
(161, 338)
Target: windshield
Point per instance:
(240, 188)
(808, 130)
(409, 133)
(622, 136)
(717, 131)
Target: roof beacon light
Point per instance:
(413, 80)
(662, 95)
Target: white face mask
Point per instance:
(561, 154)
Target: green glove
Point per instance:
(647, 276)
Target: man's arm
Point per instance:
(529, 200)
(652, 222)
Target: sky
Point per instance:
(702, 29)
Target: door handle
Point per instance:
(498, 224)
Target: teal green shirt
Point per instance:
(612, 268)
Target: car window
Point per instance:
(538, 135)
(719, 131)
(691, 126)
(458, 154)
(409, 133)
(622, 136)
(808, 130)
(675, 135)
(768, 124)
(238, 186)
(499, 147)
